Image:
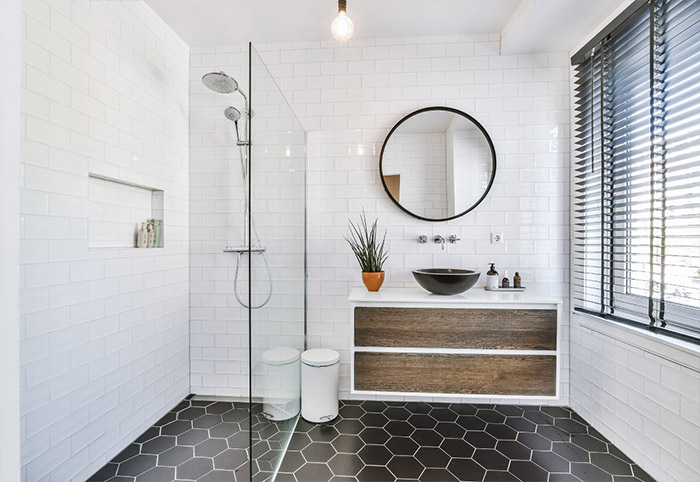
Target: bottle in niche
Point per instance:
(516, 280)
(505, 282)
(492, 278)
(141, 236)
(150, 235)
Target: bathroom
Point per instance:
(107, 123)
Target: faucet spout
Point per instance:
(439, 240)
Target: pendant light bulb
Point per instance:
(342, 27)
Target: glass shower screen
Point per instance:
(276, 269)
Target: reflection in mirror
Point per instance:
(437, 163)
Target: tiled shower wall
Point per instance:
(348, 98)
(104, 347)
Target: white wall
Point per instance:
(104, 348)
(10, 37)
(348, 98)
(641, 392)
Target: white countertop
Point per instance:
(475, 296)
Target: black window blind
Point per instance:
(637, 170)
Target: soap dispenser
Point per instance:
(492, 278)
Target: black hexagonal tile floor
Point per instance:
(379, 441)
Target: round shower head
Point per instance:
(220, 82)
(232, 114)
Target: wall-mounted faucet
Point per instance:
(423, 239)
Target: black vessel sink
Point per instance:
(446, 281)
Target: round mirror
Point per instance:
(437, 163)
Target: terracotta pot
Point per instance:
(373, 281)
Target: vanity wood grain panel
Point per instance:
(505, 329)
(456, 373)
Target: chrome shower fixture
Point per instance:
(220, 83)
(232, 114)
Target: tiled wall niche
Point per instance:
(118, 209)
(348, 97)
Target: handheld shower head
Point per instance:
(232, 114)
(220, 82)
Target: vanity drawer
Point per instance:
(503, 329)
(526, 375)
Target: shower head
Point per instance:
(220, 82)
(232, 114)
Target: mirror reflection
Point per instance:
(437, 163)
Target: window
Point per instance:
(637, 170)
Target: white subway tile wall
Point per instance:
(348, 98)
(104, 332)
(641, 394)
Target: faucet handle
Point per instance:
(422, 239)
(453, 239)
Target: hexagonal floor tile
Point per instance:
(348, 444)
(457, 448)
(432, 457)
(349, 426)
(491, 459)
(176, 456)
(323, 433)
(372, 473)
(374, 420)
(192, 437)
(318, 452)
(437, 475)
(158, 445)
(526, 470)
(191, 413)
(230, 459)
(137, 465)
(402, 446)
(346, 464)
(374, 454)
(315, 472)
(176, 428)
(405, 467)
(466, 469)
(210, 447)
(374, 436)
(194, 468)
(157, 474)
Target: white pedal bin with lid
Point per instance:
(281, 393)
(319, 385)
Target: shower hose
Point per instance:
(244, 172)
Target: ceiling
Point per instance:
(218, 22)
(525, 25)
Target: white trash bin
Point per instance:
(282, 388)
(319, 385)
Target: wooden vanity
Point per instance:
(483, 344)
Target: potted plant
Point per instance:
(369, 251)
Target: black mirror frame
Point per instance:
(454, 111)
